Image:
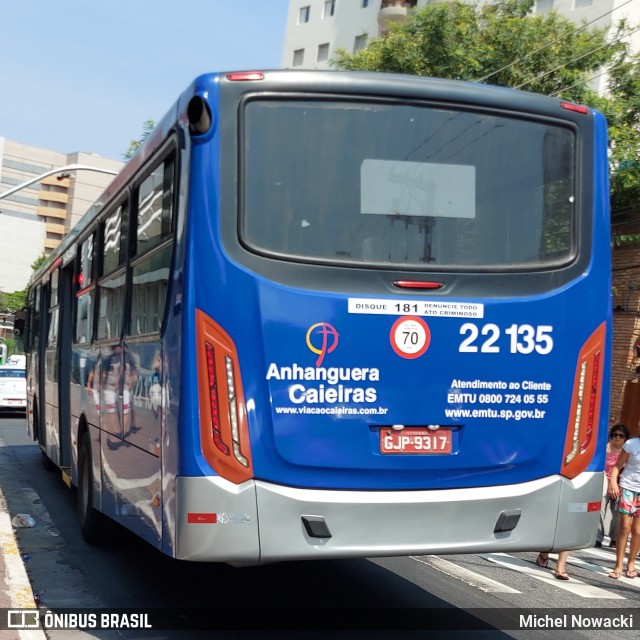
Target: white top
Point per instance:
(630, 478)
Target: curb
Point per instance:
(16, 592)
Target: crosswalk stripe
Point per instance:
(465, 575)
(604, 571)
(573, 585)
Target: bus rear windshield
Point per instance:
(406, 185)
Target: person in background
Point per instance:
(609, 514)
(561, 563)
(624, 486)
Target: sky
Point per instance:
(85, 75)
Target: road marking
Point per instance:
(460, 573)
(573, 585)
(603, 571)
(608, 554)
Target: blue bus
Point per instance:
(336, 314)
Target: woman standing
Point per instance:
(624, 486)
(609, 514)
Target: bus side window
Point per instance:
(112, 288)
(150, 285)
(151, 266)
(155, 207)
(111, 302)
(86, 299)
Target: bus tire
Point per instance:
(89, 519)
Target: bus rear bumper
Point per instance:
(300, 524)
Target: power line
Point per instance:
(599, 75)
(584, 55)
(546, 46)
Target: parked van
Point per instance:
(13, 385)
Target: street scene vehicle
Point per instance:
(13, 386)
(336, 314)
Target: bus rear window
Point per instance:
(406, 185)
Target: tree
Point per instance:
(502, 43)
(621, 107)
(16, 300)
(134, 145)
(39, 261)
(12, 302)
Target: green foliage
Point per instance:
(14, 346)
(621, 107)
(134, 145)
(505, 44)
(482, 41)
(16, 300)
(12, 302)
(39, 262)
(625, 240)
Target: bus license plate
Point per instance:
(417, 441)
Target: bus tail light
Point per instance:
(582, 429)
(244, 76)
(224, 432)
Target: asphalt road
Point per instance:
(407, 597)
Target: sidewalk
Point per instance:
(15, 588)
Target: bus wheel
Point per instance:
(90, 521)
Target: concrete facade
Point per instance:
(34, 219)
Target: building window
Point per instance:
(407, 4)
(303, 16)
(329, 8)
(365, 4)
(582, 4)
(543, 6)
(298, 57)
(360, 43)
(323, 52)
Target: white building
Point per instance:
(33, 220)
(317, 28)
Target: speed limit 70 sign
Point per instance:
(410, 337)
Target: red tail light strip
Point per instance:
(582, 428)
(595, 375)
(224, 433)
(213, 401)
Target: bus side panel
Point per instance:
(131, 487)
(217, 520)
